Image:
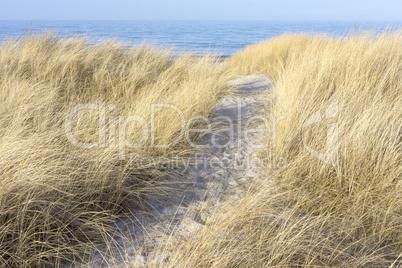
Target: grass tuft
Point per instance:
(56, 198)
(338, 199)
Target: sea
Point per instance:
(223, 38)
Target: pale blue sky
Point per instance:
(200, 10)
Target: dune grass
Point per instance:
(360, 188)
(56, 197)
(339, 204)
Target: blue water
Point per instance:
(220, 37)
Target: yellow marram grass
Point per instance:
(347, 212)
(361, 76)
(55, 197)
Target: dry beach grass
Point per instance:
(339, 205)
(337, 102)
(55, 198)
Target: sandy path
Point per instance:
(218, 175)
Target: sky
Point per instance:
(359, 10)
